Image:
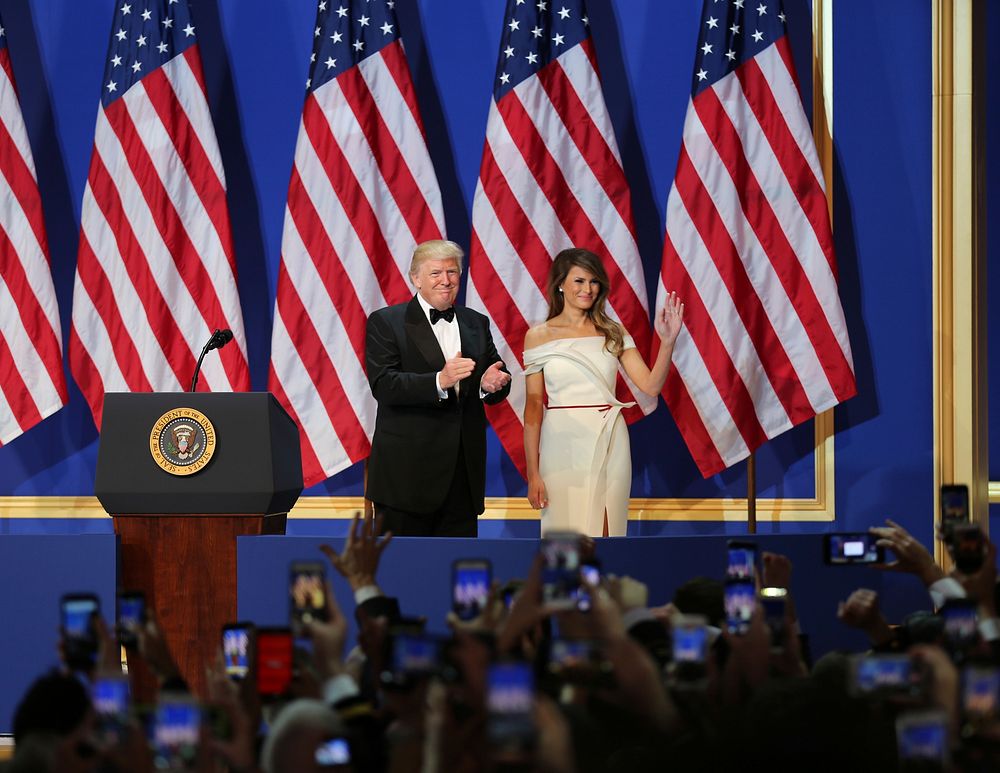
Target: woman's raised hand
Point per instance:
(669, 318)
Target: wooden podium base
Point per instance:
(186, 566)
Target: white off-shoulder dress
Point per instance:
(584, 456)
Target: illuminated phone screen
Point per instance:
(274, 662)
(235, 651)
(470, 589)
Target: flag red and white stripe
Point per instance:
(32, 382)
(750, 251)
(363, 194)
(551, 178)
(155, 273)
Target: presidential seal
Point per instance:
(182, 441)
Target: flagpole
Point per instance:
(752, 493)
(369, 507)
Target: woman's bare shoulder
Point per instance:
(537, 335)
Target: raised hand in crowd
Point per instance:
(748, 665)
(554, 752)
(981, 584)
(238, 747)
(363, 548)
(328, 637)
(944, 682)
(526, 611)
(156, 653)
(861, 610)
(911, 556)
(776, 570)
(639, 682)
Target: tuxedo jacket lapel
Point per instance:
(418, 330)
(467, 333)
(469, 337)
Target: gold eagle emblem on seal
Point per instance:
(182, 441)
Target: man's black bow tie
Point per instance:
(447, 315)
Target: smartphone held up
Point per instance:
(131, 617)
(741, 560)
(740, 600)
(306, 594)
(78, 613)
(848, 548)
(274, 657)
(236, 641)
(470, 587)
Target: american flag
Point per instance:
(550, 178)
(363, 194)
(32, 383)
(155, 272)
(748, 247)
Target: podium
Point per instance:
(183, 475)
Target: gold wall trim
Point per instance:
(823, 505)
(819, 508)
(497, 508)
(958, 254)
(51, 507)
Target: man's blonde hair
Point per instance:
(435, 249)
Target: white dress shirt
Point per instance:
(448, 339)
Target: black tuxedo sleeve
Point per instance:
(390, 384)
(489, 357)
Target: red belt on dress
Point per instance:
(601, 407)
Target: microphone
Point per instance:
(218, 339)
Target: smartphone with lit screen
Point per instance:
(274, 654)
(961, 625)
(892, 676)
(740, 599)
(176, 729)
(131, 617)
(922, 740)
(954, 502)
(847, 548)
(111, 702)
(333, 752)
(980, 694)
(77, 614)
(470, 587)
(689, 634)
(306, 594)
(510, 702)
(561, 569)
(236, 643)
(741, 560)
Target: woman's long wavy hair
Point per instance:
(614, 339)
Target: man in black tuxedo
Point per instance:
(431, 366)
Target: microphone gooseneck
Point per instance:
(217, 340)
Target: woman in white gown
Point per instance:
(577, 448)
